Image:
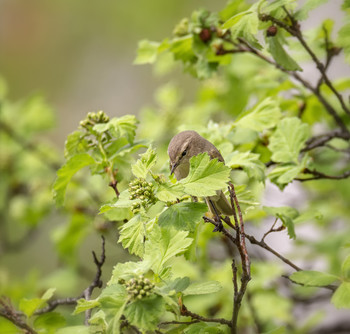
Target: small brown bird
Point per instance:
(181, 149)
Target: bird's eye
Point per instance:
(183, 153)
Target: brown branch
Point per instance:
(96, 283)
(262, 244)
(272, 229)
(295, 31)
(10, 313)
(174, 322)
(186, 313)
(319, 175)
(322, 139)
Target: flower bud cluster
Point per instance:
(94, 118)
(142, 190)
(138, 288)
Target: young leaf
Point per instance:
(281, 56)
(66, 172)
(29, 306)
(147, 52)
(145, 313)
(145, 163)
(262, 116)
(345, 268)
(132, 235)
(288, 139)
(164, 244)
(343, 39)
(313, 278)
(168, 192)
(202, 288)
(205, 176)
(75, 144)
(129, 270)
(83, 305)
(341, 297)
(286, 214)
(182, 216)
(74, 330)
(49, 322)
(249, 162)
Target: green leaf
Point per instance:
(75, 144)
(264, 115)
(178, 285)
(132, 235)
(343, 39)
(250, 163)
(204, 328)
(147, 52)
(313, 278)
(145, 313)
(288, 139)
(303, 12)
(280, 55)
(202, 288)
(74, 330)
(29, 306)
(113, 301)
(66, 172)
(163, 245)
(205, 176)
(83, 305)
(145, 163)
(168, 192)
(124, 126)
(49, 322)
(286, 214)
(182, 48)
(182, 216)
(341, 297)
(129, 270)
(345, 268)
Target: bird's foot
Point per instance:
(218, 226)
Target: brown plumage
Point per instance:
(181, 149)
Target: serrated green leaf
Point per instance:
(168, 192)
(288, 139)
(163, 245)
(146, 161)
(75, 144)
(182, 216)
(303, 12)
(282, 175)
(145, 313)
(286, 214)
(113, 301)
(124, 126)
(202, 288)
(147, 52)
(66, 172)
(280, 55)
(341, 297)
(84, 305)
(129, 270)
(205, 176)
(132, 235)
(345, 267)
(250, 163)
(313, 278)
(262, 116)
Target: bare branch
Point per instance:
(318, 175)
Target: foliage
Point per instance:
(272, 126)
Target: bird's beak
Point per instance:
(173, 167)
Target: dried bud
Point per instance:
(271, 31)
(205, 35)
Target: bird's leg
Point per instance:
(218, 226)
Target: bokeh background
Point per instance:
(79, 55)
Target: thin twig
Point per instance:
(318, 175)
(186, 313)
(329, 287)
(272, 229)
(8, 311)
(322, 139)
